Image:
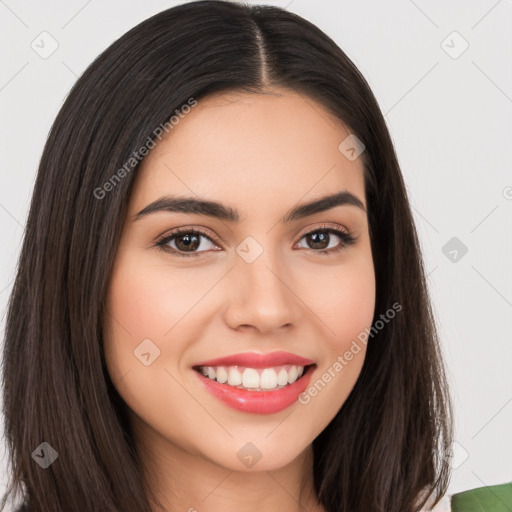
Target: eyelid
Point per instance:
(326, 225)
(188, 229)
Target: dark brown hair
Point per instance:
(387, 447)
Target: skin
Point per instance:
(261, 154)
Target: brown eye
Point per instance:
(186, 242)
(323, 240)
(318, 240)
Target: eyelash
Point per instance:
(346, 240)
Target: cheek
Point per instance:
(344, 304)
(140, 314)
(139, 308)
(147, 300)
(343, 299)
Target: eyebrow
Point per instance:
(224, 212)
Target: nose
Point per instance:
(261, 295)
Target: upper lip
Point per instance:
(258, 360)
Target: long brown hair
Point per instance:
(387, 447)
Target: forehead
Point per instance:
(279, 146)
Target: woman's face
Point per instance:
(254, 281)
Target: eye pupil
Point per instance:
(319, 237)
(189, 241)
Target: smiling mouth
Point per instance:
(254, 379)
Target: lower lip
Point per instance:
(259, 402)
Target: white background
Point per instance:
(450, 119)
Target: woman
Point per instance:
(220, 301)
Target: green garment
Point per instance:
(494, 498)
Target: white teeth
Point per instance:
(254, 379)
(268, 379)
(222, 375)
(282, 377)
(292, 375)
(235, 378)
(251, 378)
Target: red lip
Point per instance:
(258, 402)
(256, 360)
